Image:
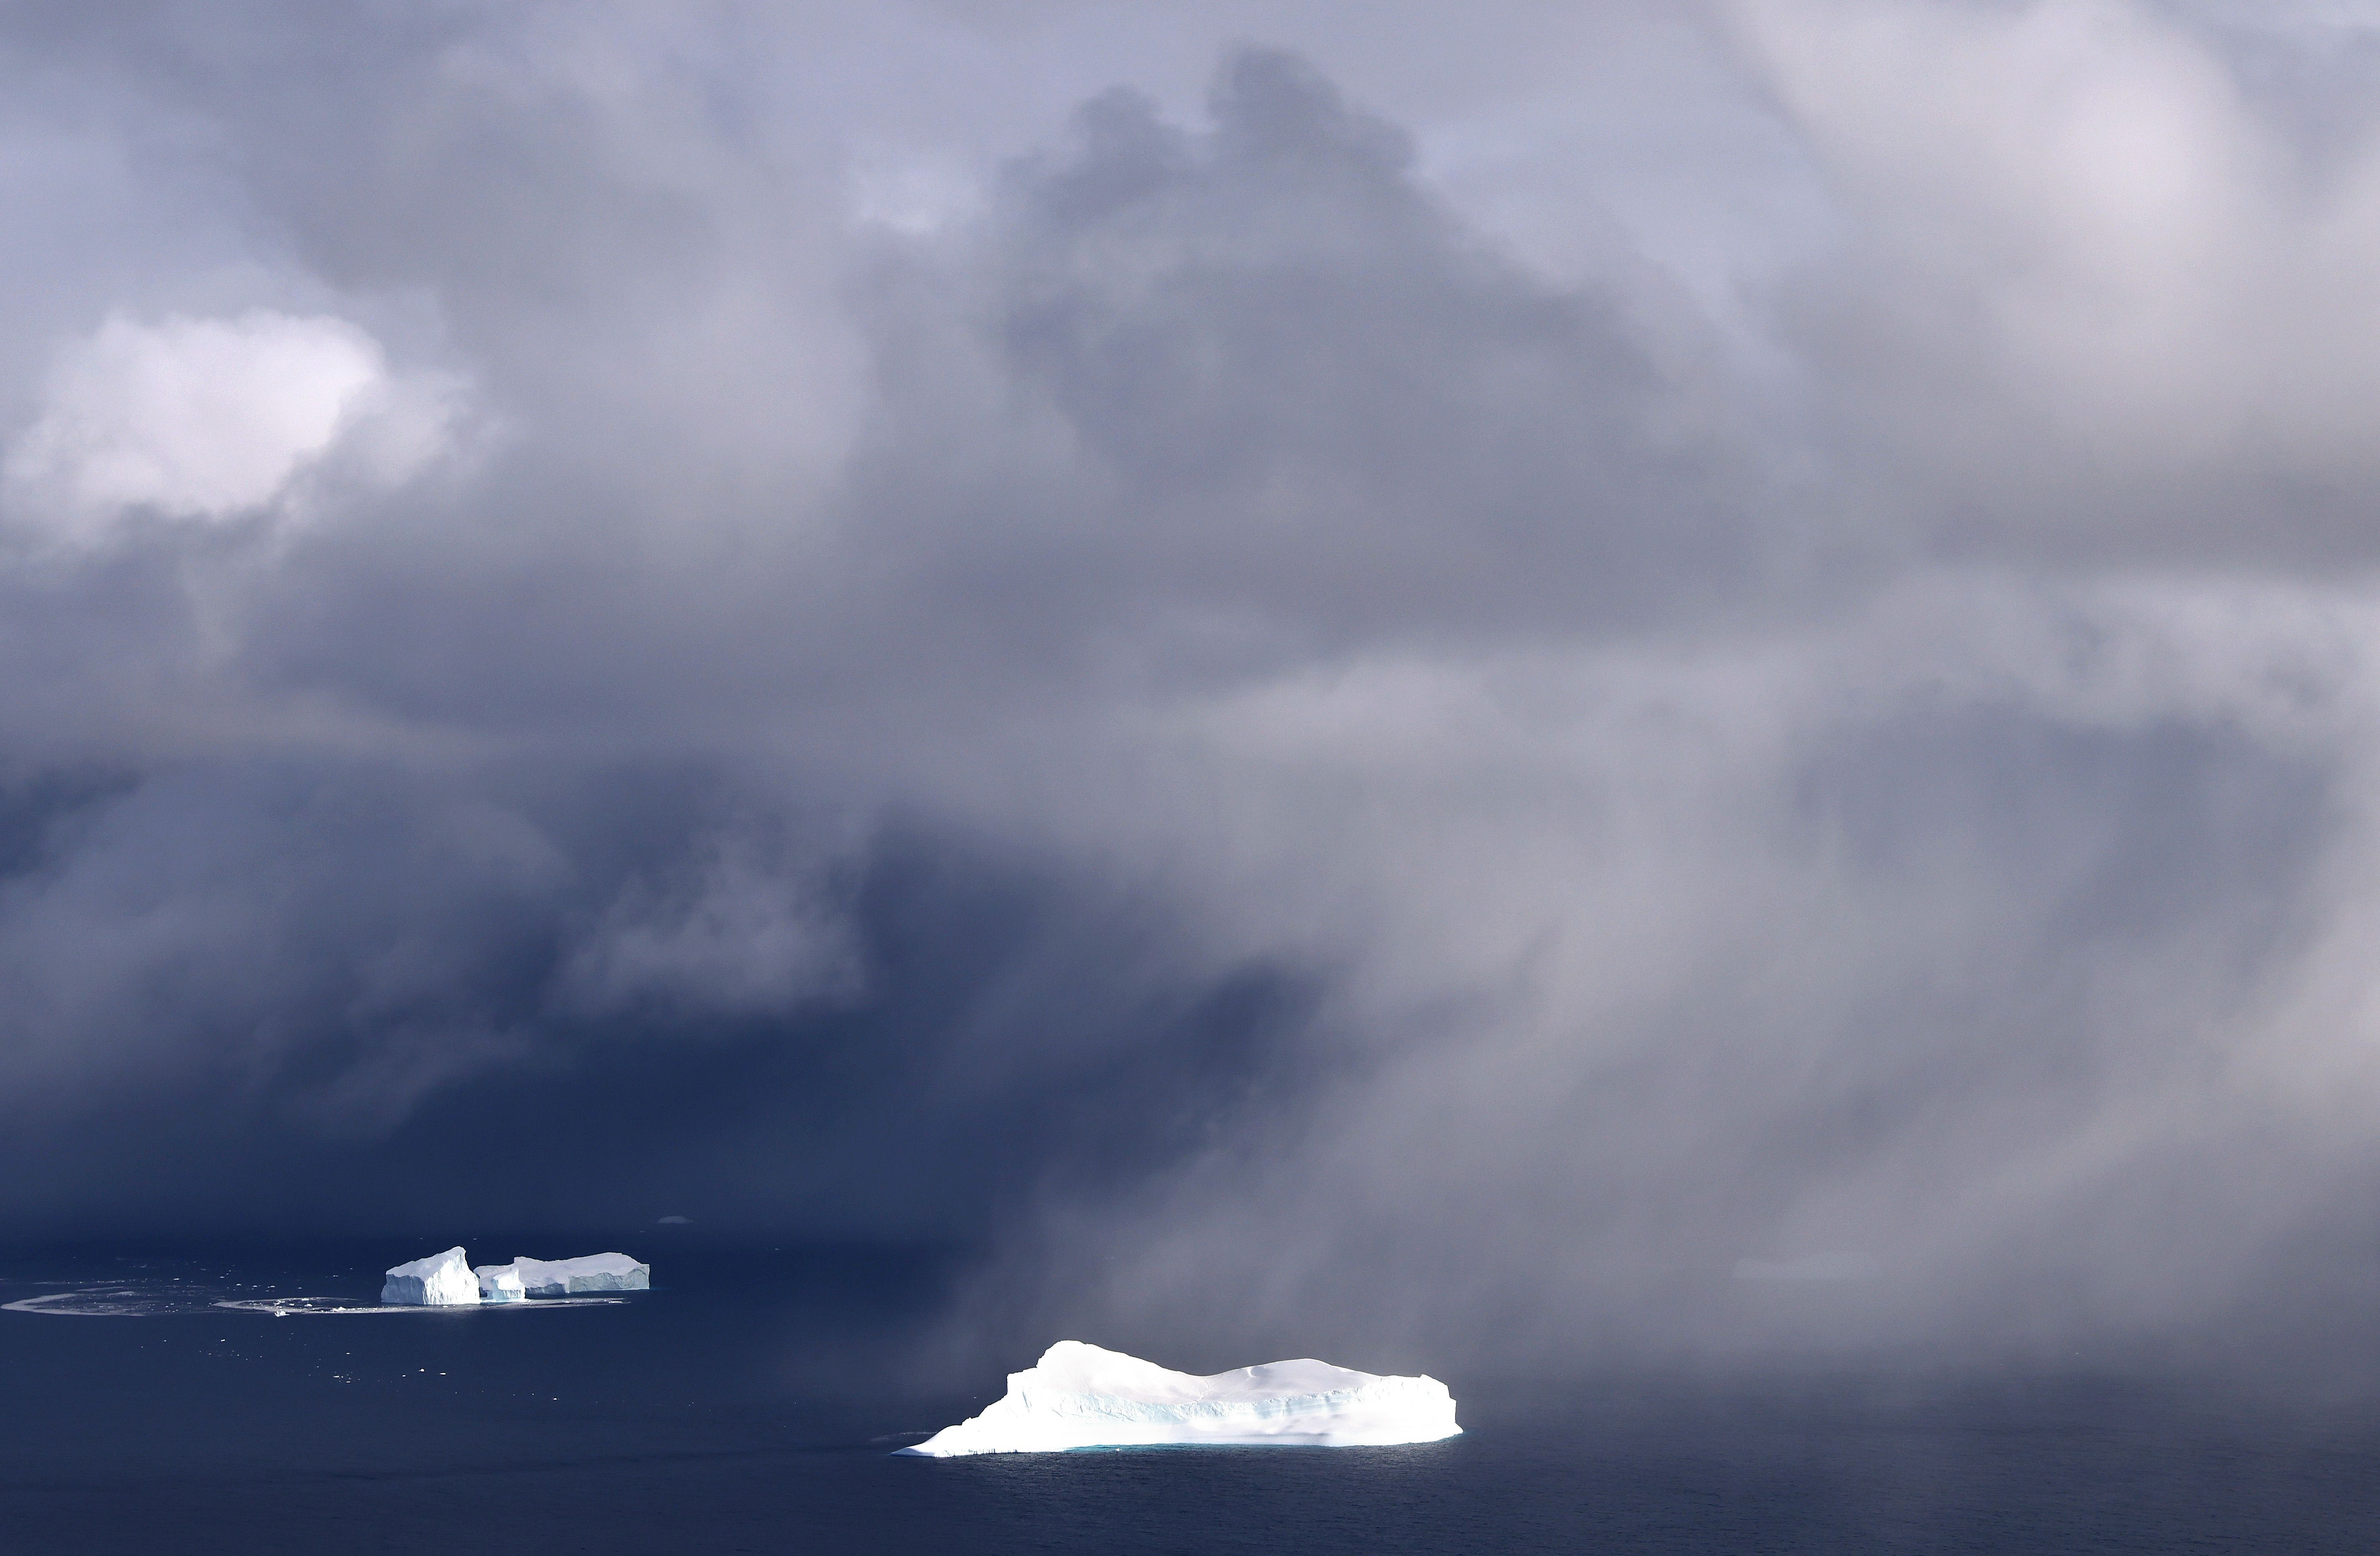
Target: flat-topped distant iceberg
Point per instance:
(448, 1279)
(571, 1277)
(1082, 1396)
(440, 1280)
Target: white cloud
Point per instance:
(208, 419)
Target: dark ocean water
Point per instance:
(737, 1407)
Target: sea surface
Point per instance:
(744, 1405)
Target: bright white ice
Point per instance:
(571, 1277)
(440, 1281)
(1082, 1396)
(500, 1283)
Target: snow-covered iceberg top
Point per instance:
(1082, 1396)
(569, 1277)
(440, 1280)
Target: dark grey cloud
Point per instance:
(1356, 712)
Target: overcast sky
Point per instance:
(1515, 682)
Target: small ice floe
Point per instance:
(675, 1220)
(1810, 1267)
(440, 1280)
(1082, 1396)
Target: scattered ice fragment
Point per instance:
(440, 1281)
(499, 1283)
(568, 1277)
(677, 1220)
(1082, 1396)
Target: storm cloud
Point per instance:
(1422, 686)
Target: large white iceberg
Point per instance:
(440, 1280)
(500, 1283)
(1082, 1396)
(569, 1277)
